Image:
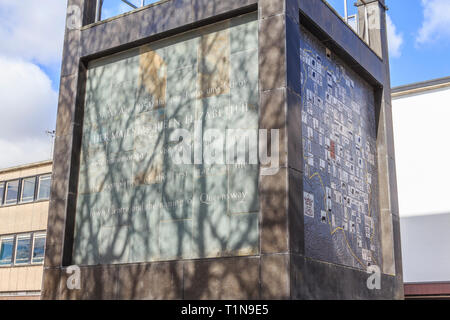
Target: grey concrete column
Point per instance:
(274, 233)
(376, 32)
(370, 23)
(68, 127)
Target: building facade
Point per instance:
(224, 149)
(24, 203)
(420, 113)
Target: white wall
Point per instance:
(422, 151)
(426, 248)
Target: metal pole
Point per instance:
(98, 10)
(142, 3)
(366, 22)
(346, 10)
(129, 3)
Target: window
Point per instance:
(28, 185)
(44, 187)
(2, 190)
(38, 248)
(25, 190)
(12, 191)
(111, 8)
(23, 249)
(6, 250)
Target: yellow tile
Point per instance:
(4, 279)
(12, 283)
(22, 274)
(38, 277)
(35, 220)
(28, 172)
(7, 221)
(44, 220)
(44, 169)
(32, 278)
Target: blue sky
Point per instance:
(414, 62)
(425, 50)
(421, 38)
(31, 38)
(115, 7)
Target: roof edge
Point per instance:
(26, 166)
(420, 86)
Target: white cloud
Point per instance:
(31, 34)
(27, 109)
(436, 24)
(395, 39)
(26, 151)
(32, 30)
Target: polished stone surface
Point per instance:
(135, 203)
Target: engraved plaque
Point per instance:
(135, 203)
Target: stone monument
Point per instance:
(237, 149)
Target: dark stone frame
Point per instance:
(280, 271)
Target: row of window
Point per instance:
(25, 190)
(22, 249)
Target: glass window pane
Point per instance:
(12, 190)
(44, 187)
(28, 189)
(39, 248)
(23, 249)
(2, 190)
(111, 8)
(6, 250)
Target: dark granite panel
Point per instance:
(293, 55)
(294, 130)
(335, 282)
(275, 276)
(96, 283)
(272, 53)
(269, 8)
(292, 10)
(273, 116)
(203, 9)
(61, 167)
(155, 21)
(273, 199)
(153, 281)
(50, 284)
(71, 52)
(222, 278)
(296, 219)
(66, 105)
(55, 233)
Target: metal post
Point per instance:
(129, 3)
(366, 22)
(98, 10)
(142, 3)
(346, 10)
